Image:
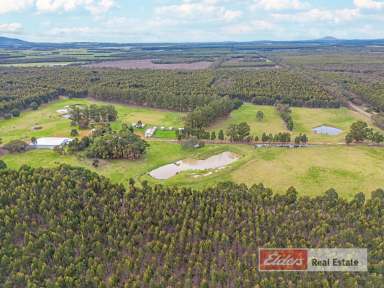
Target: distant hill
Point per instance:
(329, 38)
(14, 43)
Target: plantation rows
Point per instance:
(69, 227)
(174, 90)
(269, 87)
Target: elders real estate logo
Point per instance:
(283, 259)
(313, 260)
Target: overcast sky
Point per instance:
(190, 20)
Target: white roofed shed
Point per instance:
(49, 142)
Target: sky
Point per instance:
(130, 21)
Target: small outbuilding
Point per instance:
(49, 142)
(327, 130)
(150, 132)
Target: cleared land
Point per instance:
(53, 125)
(148, 64)
(347, 169)
(120, 171)
(311, 170)
(37, 64)
(304, 119)
(272, 122)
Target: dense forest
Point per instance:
(22, 88)
(69, 227)
(270, 87)
(202, 116)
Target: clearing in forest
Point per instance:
(52, 124)
(149, 64)
(304, 120)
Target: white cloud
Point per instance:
(369, 4)
(248, 27)
(101, 7)
(11, 28)
(7, 6)
(198, 10)
(56, 5)
(317, 15)
(280, 5)
(95, 7)
(63, 31)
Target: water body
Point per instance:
(214, 162)
(327, 130)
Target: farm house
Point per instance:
(49, 142)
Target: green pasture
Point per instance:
(272, 122)
(304, 119)
(53, 125)
(311, 170)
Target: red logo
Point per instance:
(283, 259)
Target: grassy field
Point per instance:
(165, 134)
(54, 125)
(272, 122)
(304, 119)
(120, 171)
(311, 170)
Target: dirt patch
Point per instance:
(148, 64)
(3, 151)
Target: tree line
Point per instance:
(69, 227)
(84, 115)
(203, 116)
(360, 132)
(285, 113)
(241, 133)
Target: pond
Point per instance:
(214, 162)
(327, 130)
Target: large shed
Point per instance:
(49, 142)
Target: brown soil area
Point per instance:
(148, 64)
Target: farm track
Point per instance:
(272, 145)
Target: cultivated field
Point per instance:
(148, 64)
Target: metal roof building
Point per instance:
(49, 142)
